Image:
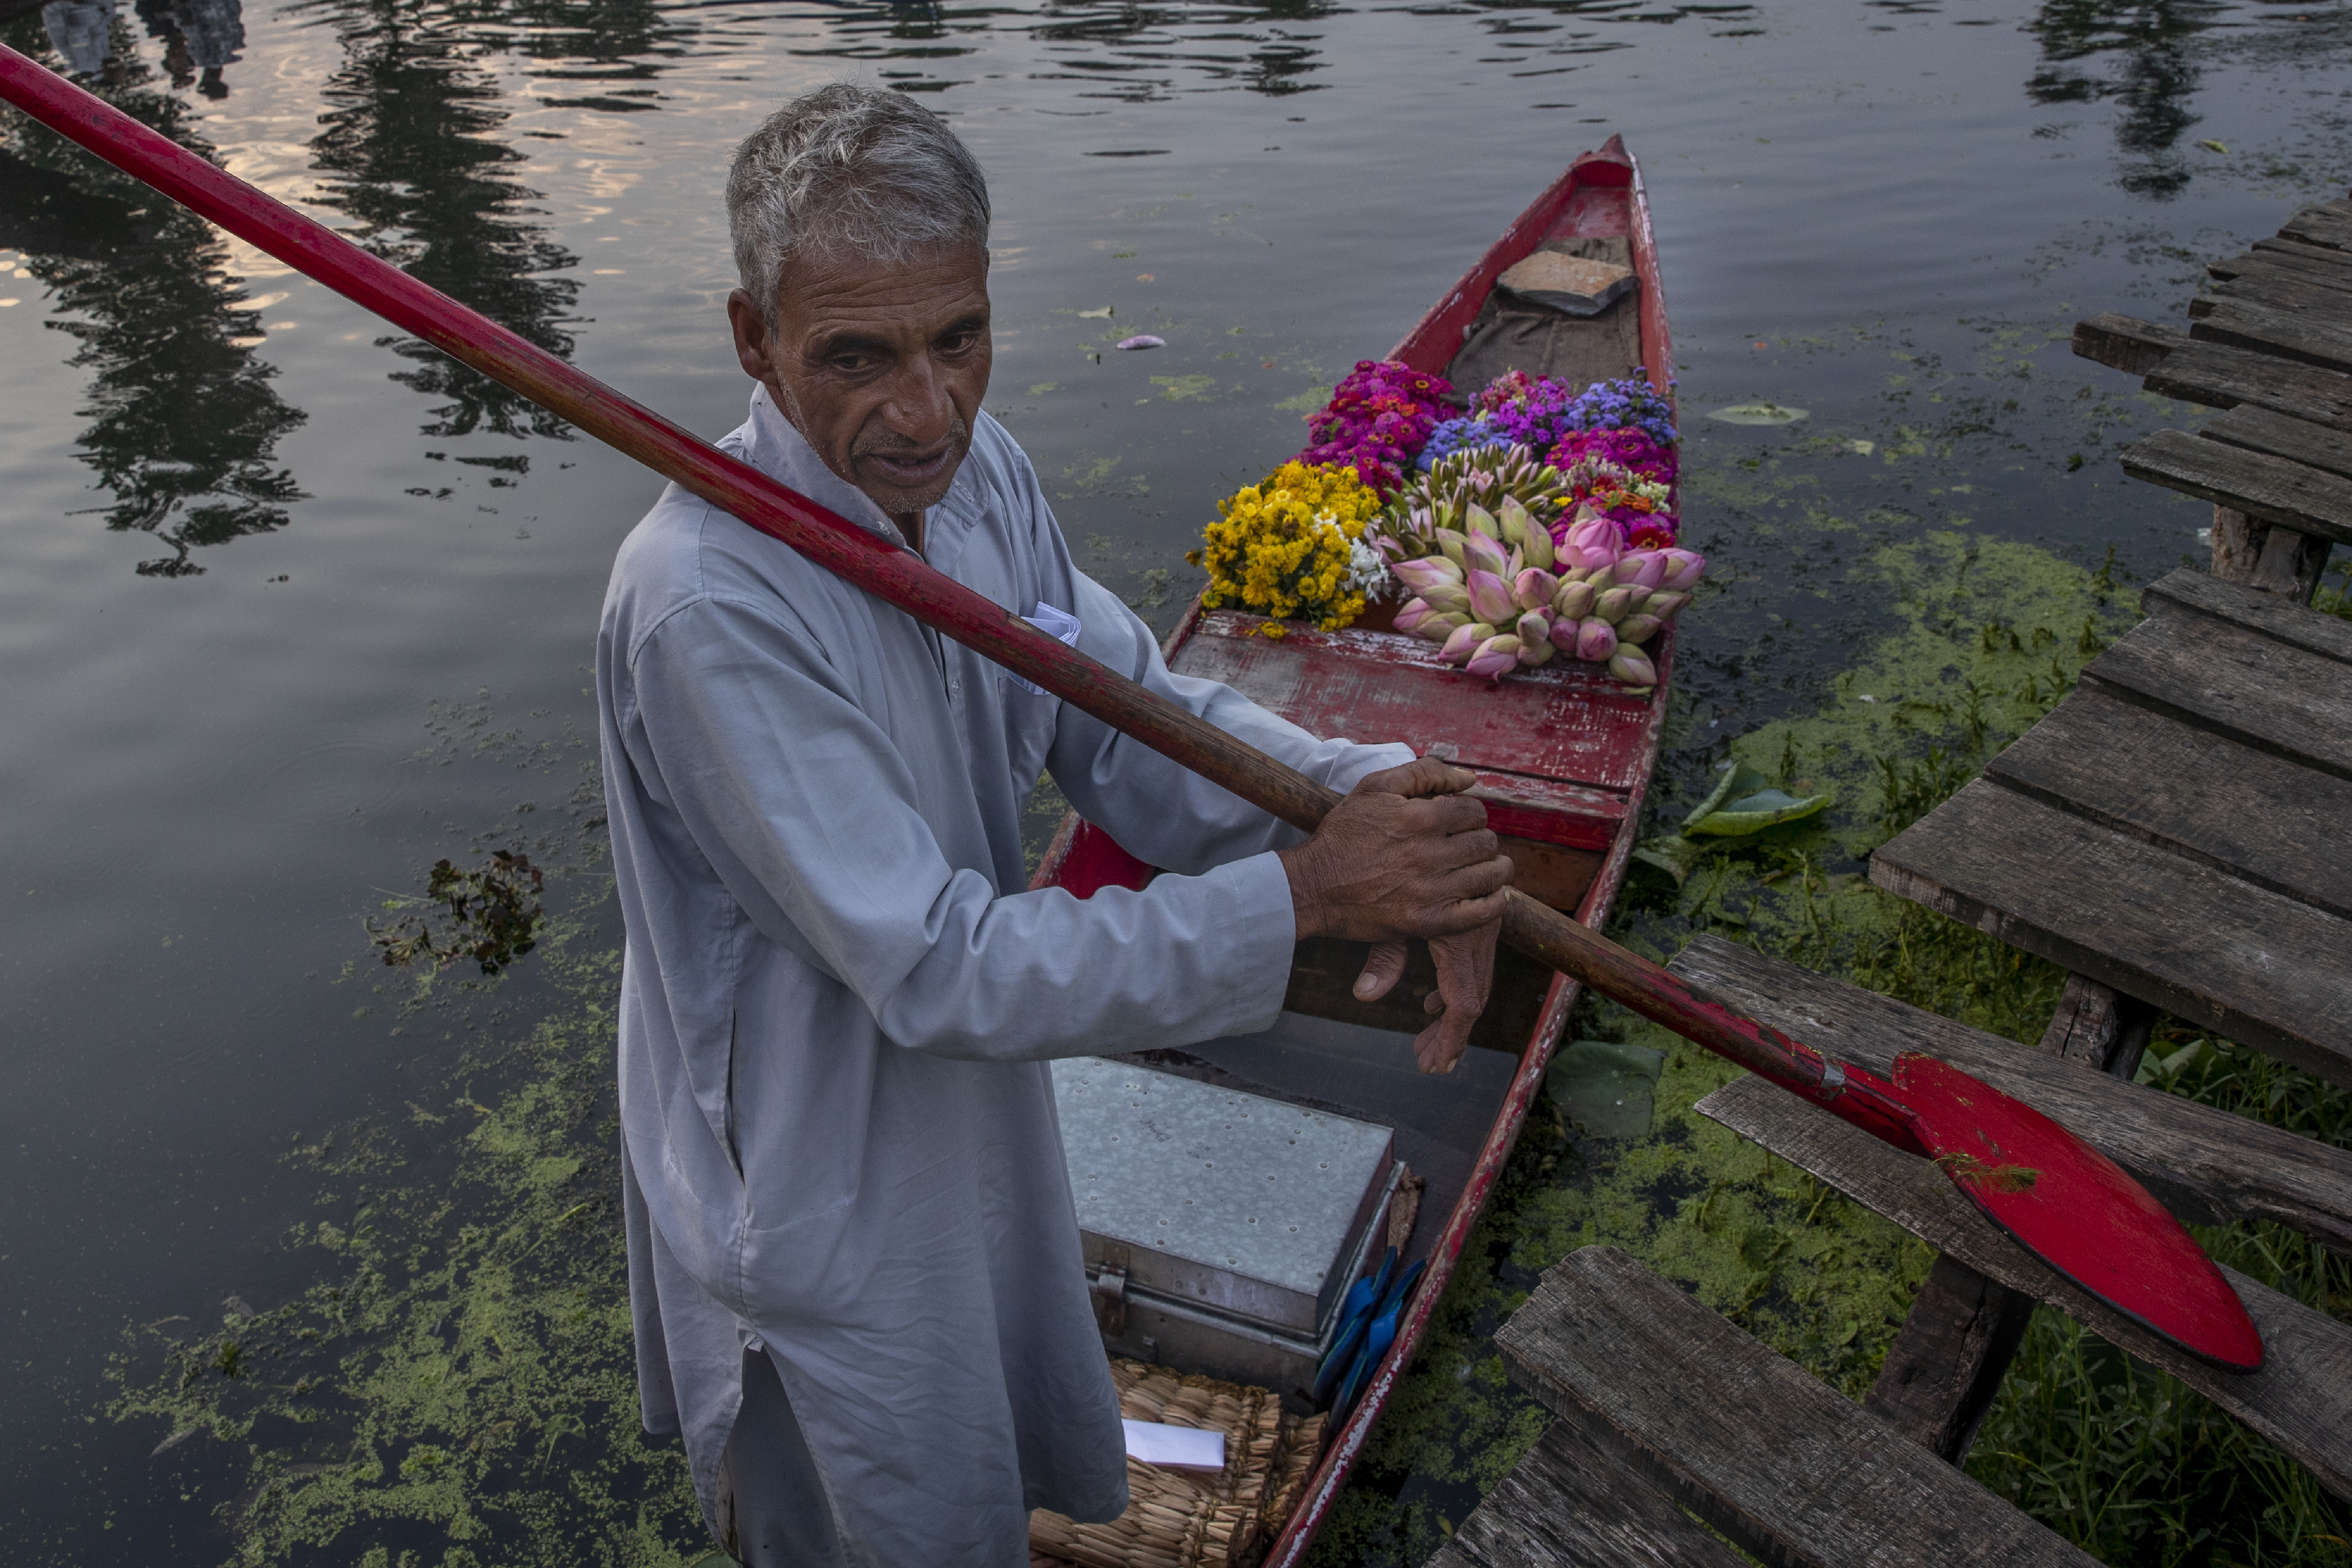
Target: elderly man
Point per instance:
(853, 1254)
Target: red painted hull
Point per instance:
(1564, 756)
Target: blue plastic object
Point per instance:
(1377, 1341)
(1356, 1314)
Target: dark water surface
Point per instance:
(267, 576)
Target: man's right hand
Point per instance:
(1406, 854)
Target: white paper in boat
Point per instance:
(1175, 1447)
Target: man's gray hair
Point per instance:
(851, 168)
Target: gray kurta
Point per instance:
(838, 1127)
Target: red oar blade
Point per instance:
(2076, 1210)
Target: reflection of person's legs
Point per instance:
(772, 1505)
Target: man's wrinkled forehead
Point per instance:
(840, 297)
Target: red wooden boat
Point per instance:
(1563, 755)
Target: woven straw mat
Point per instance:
(1177, 1518)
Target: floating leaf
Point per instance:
(1605, 1089)
(2212, 146)
(1101, 315)
(1757, 414)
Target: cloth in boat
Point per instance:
(838, 1002)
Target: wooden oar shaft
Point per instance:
(882, 568)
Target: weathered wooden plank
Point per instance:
(2186, 591)
(2301, 1400)
(2205, 1164)
(2277, 292)
(1778, 1462)
(2222, 377)
(2275, 489)
(2287, 334)
(2240, 960)
(2099, 1027)
(2126, 343)
(2267, 694)
(2298, 251)
(2334, 273)
(1571, 1502)
(1943, 1369)
(2256, 816)
(2261, 430)
(2316, 226)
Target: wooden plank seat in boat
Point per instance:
(2204, 1164)
(1664, 1410)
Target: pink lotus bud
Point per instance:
(1489, 600)
(1596, 639)
(1564, 630)
(1480, 554)
(1613, 605)
(1635, 597)
(1532, 653)
(1574, 600)
(1533, 627)
(1638, 628)
(1684, 570)
(1632, 667)
(1532, 587)
(1440, 624)
(1641, 568)
(1537, 541)
(1427, 573)
(1591, 528)
(1410, 616)
(1478, 522)
(1667, 607)
(1450, 543)
(1465, 640)
(1495, 658)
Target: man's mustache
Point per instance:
(890, 441)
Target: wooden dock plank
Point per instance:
(1943, 1370)
(2186, 591)
(2316, 226)
(2273, 291)
(2126, 343)
(1572, 1504)
(2263, 692)
(2250, 813)
(2301, 1400)
(2287, 267)
(2219, 376)
(2204, 1164)
(2299, 440)
(2275, 489)
(1778, 1461)
(2288, 334)
(2240, 960)
(2299, 251)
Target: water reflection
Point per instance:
(184, 422)
(408, 151)
(2158, 72)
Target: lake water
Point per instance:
(287, 612)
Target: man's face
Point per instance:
(881, 367)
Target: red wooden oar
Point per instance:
(2068, 1204)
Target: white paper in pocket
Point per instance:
(1054, 623)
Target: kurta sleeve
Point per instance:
(737, 724)
(1161, 811)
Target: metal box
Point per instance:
(1220, 1228)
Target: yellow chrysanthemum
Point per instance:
(1284, 547)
